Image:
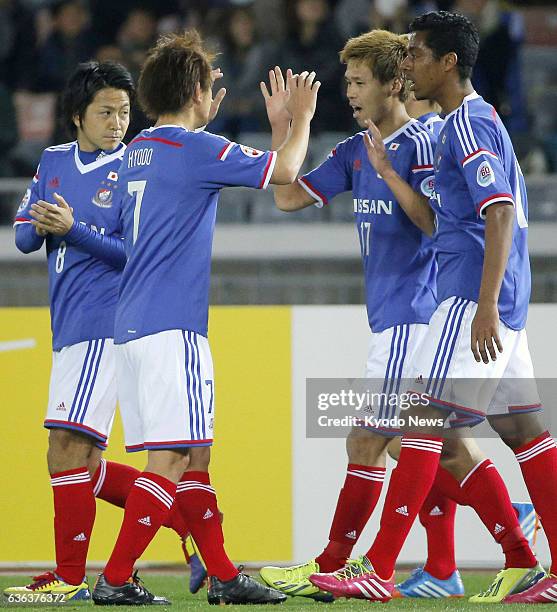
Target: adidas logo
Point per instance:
(498, 528)
(436, 511)
(419, 380)
(81, 537)
(61, 406)
(402, 510)
(207, 514)
(146, 520)
(351, 535)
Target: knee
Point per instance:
(460, 456)
(200, 458)
(366, 448)
(67, 450)
(516, 430)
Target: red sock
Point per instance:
(113, 481)
(538, 462)
(198, 504)
(147, 505)
(437, 515)
(410, 484)
(74, 515)
(485, 491)
(357, 500)
(449, 486)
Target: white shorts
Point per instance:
(454, 380)
(166, 390)
(83, 394)
(391, 356)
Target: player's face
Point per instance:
(422, 68)
(105, 121)
(368, 98)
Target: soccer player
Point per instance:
(483, 287)
(367, 56)
(85, 259)
(170, 180)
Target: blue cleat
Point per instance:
(198, 573)
(423, 585)
(529, 521)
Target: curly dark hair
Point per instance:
(450, 32)
(84, 83)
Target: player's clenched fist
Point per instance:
(303, 90)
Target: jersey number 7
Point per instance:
(136, 188)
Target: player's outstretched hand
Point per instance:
(216, 74)
(51, 218)
(276, 98)
(376, 152)
(485, 333)
(303, 90)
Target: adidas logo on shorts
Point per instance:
(498, 528)
(436, 511)
(80, 537)
(146, 520)
(351, 535)
(207, 514)
(402, 510)
(61, 406)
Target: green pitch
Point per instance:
(174, 587)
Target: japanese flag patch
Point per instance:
(250, 151)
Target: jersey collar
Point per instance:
(106, 159)
(399, 131)
(167, 125)
(470, 96)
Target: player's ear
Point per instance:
(76, 121)
(396, 86)
(450, 60)
(197, 93)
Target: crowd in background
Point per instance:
(42, 41)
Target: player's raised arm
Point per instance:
(287, 197)
(415, 205)
(303, 90)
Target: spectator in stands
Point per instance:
(244, 61)
(314, 40)
(69, 43)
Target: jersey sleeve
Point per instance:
(479, 154)
(421, 175)
(228, 164)
(33, 193)
(332, 177)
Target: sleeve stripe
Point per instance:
(469, 126)
(492, 199)
(225, 151)
(20, 220)
(464, 130)
(425, 168)
(314, 193)
(421, 136)
(476, 154)
(268, 172)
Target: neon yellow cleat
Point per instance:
(50, 586)
(509, 581)
(294, 580)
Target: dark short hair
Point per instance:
(450, 32)
(169, 75)
(84, 83)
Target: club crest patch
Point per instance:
(427, 186)
(24, 201)
(103, 198)
(485, 175)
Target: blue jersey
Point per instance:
(398, 260)
(432, 121)
(171, 178)
(475, 166)
(83, 290)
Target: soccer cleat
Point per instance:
(422, 584)
(508, 582)
(543, 592)
(49, 584)
(356, 579)
(529, 521)
(132, 593)
(294, 580)
(198, 573)
(241, 590)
